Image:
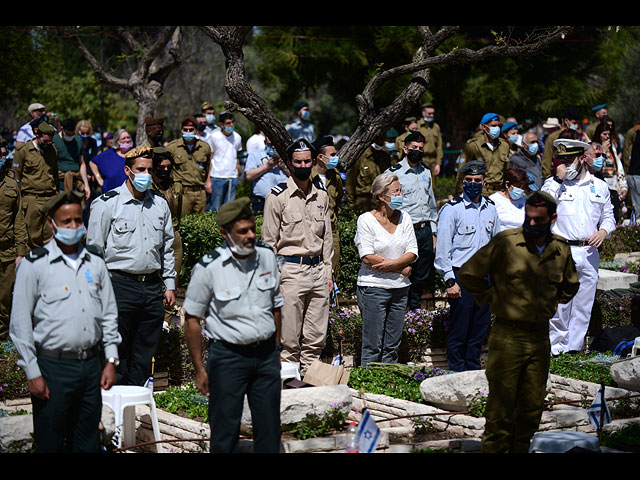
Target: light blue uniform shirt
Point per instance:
(417, 192)
(463, 228)
(298, 129)
(263, 184)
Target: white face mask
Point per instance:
(239, 249)
(573, 171)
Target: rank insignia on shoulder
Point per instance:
(209, 257)
(95, 250)
(395, 167)
(278, 189)
(318, 183)
(36, 253)
(110, 194)
(262, 244)
(489, 200)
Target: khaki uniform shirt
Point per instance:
(13, 230)
(547, 155)
(496, 162)
(335, 190)
(526, 286)
(630, 137)
(361, 175)
(173, 196)
(35, 169)
(298, 224)
(190, 167)
(432, 142)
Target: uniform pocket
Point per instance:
(123, 231)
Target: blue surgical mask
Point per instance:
(573, 126)
(472, 189)
(3, 160)
(513, 138)
(333, 162)
(210, 118)
(305, 115)
(598, 163)
(494, 132)
(396, 202)
(270, 151)
(516, 193)
(69, 236)
(532, 148)
(142, 181)
(390, 146)
(188, 136)
(229, 129)
(428, 119)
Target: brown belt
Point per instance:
(190, 188)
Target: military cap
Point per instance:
(45, 127)
(392, 133)
(540, 198)
(414, 137)
(598, 107)
(229, 211)
(54, 202)
(300, 105)
(300, 145)
(139, 152)
(35, 106)
(189, 119)
(567, 147)
(509, 125)
(474, 167)
(409, 120)
(427, 104)
(162, 152)
(207, 106)
(148, 121)
(488, 117)
(322, 142)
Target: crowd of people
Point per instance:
(91, 238)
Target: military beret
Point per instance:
(35, 106)
(323, 142)
(189, 119)
(392, 133)
(427, 105)
(474, 167)
(55, 201)
(567, 147)
(139, 152)
(414, 137)
(409, 120)
(598, 107)
(300, 145)
(229, 211)
(540, 198)
(207, 106)
(300, 105)
(45, 127)
(162, 152)
(488, 117)
(509, 125)
(148, 121)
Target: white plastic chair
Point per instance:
(122, 399)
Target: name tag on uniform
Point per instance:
(265, 273)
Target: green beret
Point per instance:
(46, 128)
(474, 167)
(162, 152)
(300, 105)
(229, 211)
(392, 133)
(540, 198)
(66, 196)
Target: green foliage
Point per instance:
(610, 311)
(626, 439)
(625, 239)
(422, 426)
(185, 400)
(443, 187)
(580, 368)
(13, 382)
(349, 258)
(173, 356)
(478, 404)
(313, 426)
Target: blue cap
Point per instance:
(598, 107)
(509, 126)
(488, 117)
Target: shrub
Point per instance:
(172, 355)
(625, 239)
(13, 382)
(185, 400)
(581, 367)
(349, 258)
(614, 311)
(313, 426)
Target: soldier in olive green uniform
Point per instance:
(324, 171)
(191, 162)
(13, 240)
(154, 128)
(490, 149)
(629, 138)
(531, 271)
(599, 111)
(433, 152)
(372, 163)
(35, 165)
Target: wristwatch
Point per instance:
(114, 360)
(450, 283)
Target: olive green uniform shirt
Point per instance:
(191, 167)
(547, 155)
(36, 170)
(630, 137)
(13, 229)
(525, 286)
(496, 162)
(361, 175)
(432, 142)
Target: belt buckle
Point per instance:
(83, 354)
(141, 278)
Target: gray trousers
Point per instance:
(382, 311)
(633, 182)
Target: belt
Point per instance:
(241, 346)
(69, 354)
(145, 277)
(529, 326)
(578, 243)
(39, 195)
(421, 225)
(303, 260)
(193, 188)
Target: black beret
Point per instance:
(322, 142)
(414, 137)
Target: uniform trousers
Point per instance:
(305, 313)
(68, 421)
(569, 325)
(37, 227)
(468, 327)
(517, 370)
(421, 269)
(633, 181)
(193, 201)
(140, 316)
(7, 279)
(236, 370)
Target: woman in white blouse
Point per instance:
(387, 245)
(510, 200)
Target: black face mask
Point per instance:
(163, 174)
(536, 231)
(158, 138)
(414, 156)
(301, 173)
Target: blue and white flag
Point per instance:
(596, 409)
(368, 433)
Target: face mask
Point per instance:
(141, 181)
(239, 249)
(3, 160)
(302, 173)
(158, 138)
(513, 138)
(396, 202)
(333, 162)
(430, 119)
(598, 163)
(472, 189)
(68, 138)
(229, 129)
(533, 148)
(572, 172)
(494, 132)
(414, 156)
(210, 118)
(188, 137)
(535, 231)
(69, 236)
(125, 147)
(375, 146)
(516, 193)
(270, 151)
(305, 115)
(163, 174)
(573, 126)
(390, 145)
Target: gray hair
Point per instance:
(380, 186)
(116, 138)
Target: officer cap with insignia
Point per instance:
(474, 167)
(489, 117)
(300, 145)
(542, 199)
(414, 137)
(568, 148)
(229, 212)
(68, 196)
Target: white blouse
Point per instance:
(373, 239)
(510, 212)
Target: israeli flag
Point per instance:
(368, 433)
(595, 411)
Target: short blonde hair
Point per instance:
(380, 185)
(84, 124)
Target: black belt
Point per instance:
(193, 188)
(145, 277)
(421, 225)
(69, 354)
(303, 260)
(578, 243)
(528, 326)
(39, 195)
(248, 346)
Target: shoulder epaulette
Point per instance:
(95, 250)
(107, 195)
(262, 244)
(209, 257)
(36, 253)
(278, 189)
(453, 201)
(395, 166)
(317, 181)
(489, 200)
